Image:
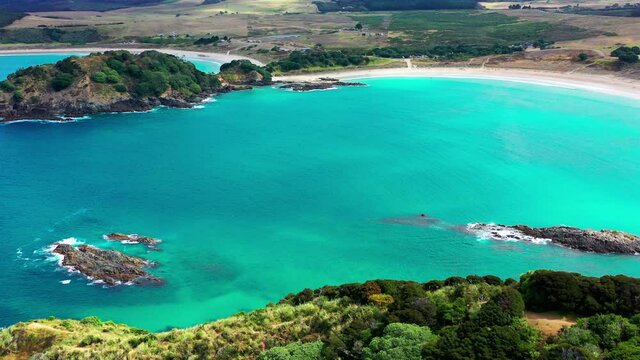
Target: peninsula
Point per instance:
(116, 81)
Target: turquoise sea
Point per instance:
(267, 192)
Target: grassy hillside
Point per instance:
(382, 5)
(458, 318)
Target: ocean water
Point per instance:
(267, 192)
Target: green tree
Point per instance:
(294, 351)
(99, 77)
(629, 350)
(62, 81)
(399, 341)
(7, 86)
(18, 96)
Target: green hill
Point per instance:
(115, 81)
(458, 318)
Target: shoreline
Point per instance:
(219, 58)
(599, 83)
(604, 84)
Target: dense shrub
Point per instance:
(18, 96)
(545, 290)
(246, 67)
(627, 54)
(294, 351)
(62, 81)
(120, 88)
(7, 86)
(99, 77)
(317, 57)
(399, 341)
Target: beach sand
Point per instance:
(214, 57)
(606, 84)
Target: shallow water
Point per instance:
(266, 192)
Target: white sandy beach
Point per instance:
(606, 84)
(214, 57)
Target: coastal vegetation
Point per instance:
(477, 317)
(77, 36)
(244, 72)
(318, 58)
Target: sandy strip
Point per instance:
(606, 84)
(220, 58)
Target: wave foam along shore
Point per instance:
(493, 231)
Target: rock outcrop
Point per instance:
(108, 266)
(322, 84)
(602, 241)
(151, 243)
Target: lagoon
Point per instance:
(267, 192)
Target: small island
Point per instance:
(117, 81)
(151, 243)
(107, 266)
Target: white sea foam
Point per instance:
(59, 258)
(493, 231)
(38, 121)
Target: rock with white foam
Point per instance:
(106, 266)
(598, 241)
(151, 243)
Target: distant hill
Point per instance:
(68, 5)
(6, 18)
(379, 5)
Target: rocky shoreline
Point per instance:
(67, 110)
(602, 241)
(106, 266)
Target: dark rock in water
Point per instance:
(109, 266)
(413, 220)
(152, 243)
(325, 83)
(603, 241)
